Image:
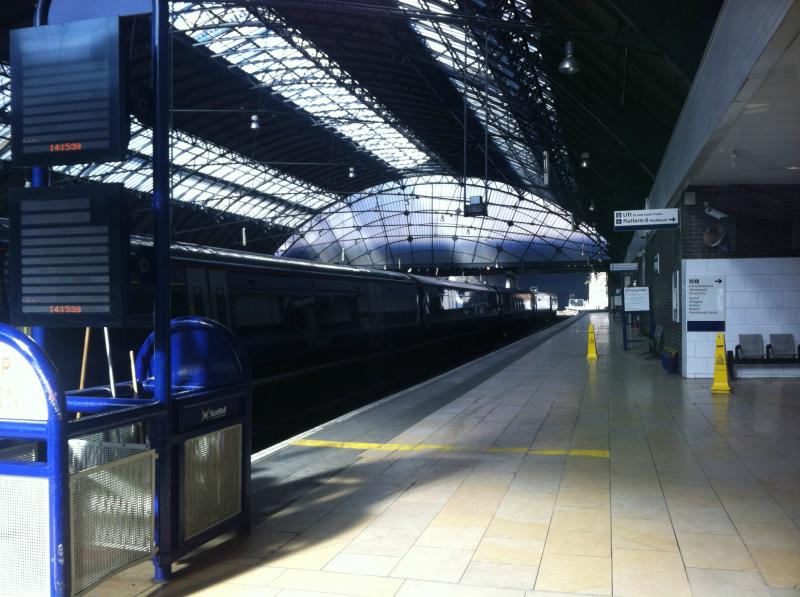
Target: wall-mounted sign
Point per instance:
(646, 219)
(68, 256)
(624, 267)
(705, 303)
(636, 299)
(67, 100)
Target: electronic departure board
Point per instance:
(67, 94)
(68, 256)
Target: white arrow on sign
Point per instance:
(646, 219)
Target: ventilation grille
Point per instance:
(111, 495)
(212, 479)
(24, 536)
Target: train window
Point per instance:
(400, 306)
(452, 300)
(255, 310)
(300, 312)
(222, 306)
(434, 302)
(198, 304)
(337, 311)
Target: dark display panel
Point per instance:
(68, 258)
(67, 100)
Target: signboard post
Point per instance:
(646, 219)
(705, 304)
(635, 299)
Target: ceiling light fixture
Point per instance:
(792, 167)
(584, 159)
(255, 123)
(569, 65)
(351, 172)
(591, 205)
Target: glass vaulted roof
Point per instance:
(419, 221)
(203, 174)
(465, 60)
(257, 41)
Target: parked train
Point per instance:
(292, 314)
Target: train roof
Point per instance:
(202, 252)
(450, 284)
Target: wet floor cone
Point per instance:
(591, 353)
(720, 385)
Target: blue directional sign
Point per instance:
(646, 219)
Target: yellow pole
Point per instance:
(720, 385)
(591, 352)
(86, 336)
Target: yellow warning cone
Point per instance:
(720, 385)
(591, 353)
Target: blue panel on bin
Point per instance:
(205, 354)
(42, 365)
(54, 433)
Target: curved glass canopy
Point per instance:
(419, 221)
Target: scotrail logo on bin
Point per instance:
(211, 414)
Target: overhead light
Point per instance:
(792, 167)
(584, 159)
(591, 205)
(569, 65)
(255, 123)
(351, 172)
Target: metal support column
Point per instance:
(40, 175)
(161, 320)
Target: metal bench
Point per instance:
(780, 351)
(782, 347)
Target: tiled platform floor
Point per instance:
(699, 495)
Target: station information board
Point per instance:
(67, 94)
(636, 299)
(68, 256)
(705, 303)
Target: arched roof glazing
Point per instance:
(419, 221)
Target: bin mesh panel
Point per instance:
(212, 479)
(85, 454)
(127, 434)
(20, 452)
(24, 536)
(112, 512)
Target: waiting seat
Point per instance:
(751, 346)
(782, 346)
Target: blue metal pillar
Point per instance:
(161, 320)
(60, 511)
(40, 175)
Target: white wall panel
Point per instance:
(762, 297)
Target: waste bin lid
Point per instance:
(205, 354)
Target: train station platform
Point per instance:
(530, 471)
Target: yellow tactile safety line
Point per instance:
(323, 443)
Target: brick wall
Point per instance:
(665, 244)
(764, 221)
